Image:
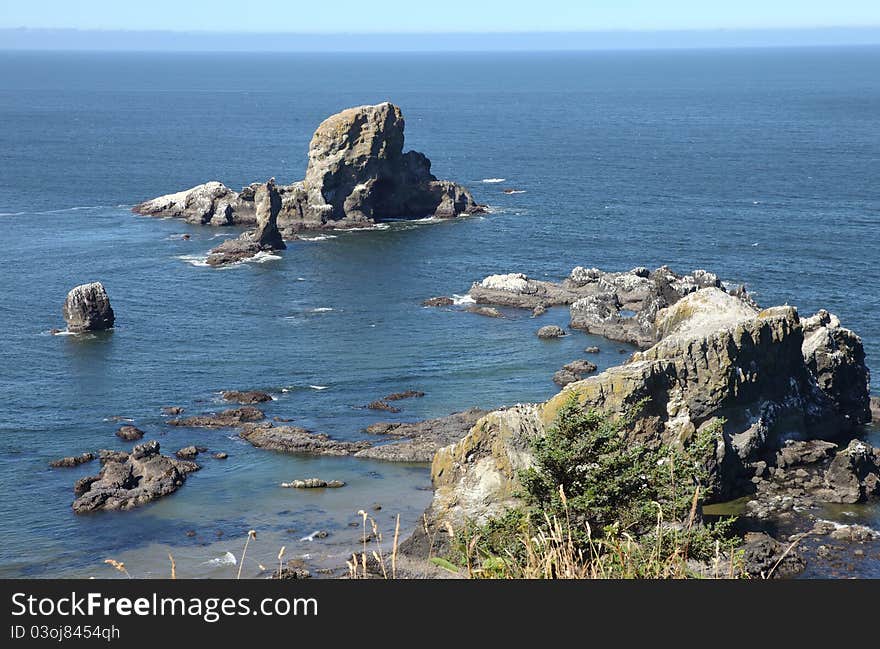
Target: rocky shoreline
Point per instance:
(789, 392)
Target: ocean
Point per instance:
(760, 165)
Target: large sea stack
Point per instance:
(87, 308)
(357, 175)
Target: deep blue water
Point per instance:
(760, 165)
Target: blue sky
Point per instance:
(334, 16)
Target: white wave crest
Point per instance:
(262, 257)
(318, 387)
(461, 300)
(195, 260)
(320, 237)
(227, 559)
(493, 180)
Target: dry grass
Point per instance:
(550, 552)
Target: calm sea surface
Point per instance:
(760, 165)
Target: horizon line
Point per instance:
(146, 40)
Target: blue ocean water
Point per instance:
(760, 165)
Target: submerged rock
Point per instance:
(382, 405)
(87, 308)
(225, 419)
(291, 439)
(875, 409)
(72, 461)
(406, 394)
(141, 477)
(488, 311)
(357, 175)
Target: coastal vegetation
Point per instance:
(596, 505)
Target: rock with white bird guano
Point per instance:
(87, 308)
(313, 483)
(357, 175)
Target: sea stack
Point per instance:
(265, 237)
(358, 174)
(87, 308)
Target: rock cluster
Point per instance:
(129, 480)
(619, 306)
(264, 238)
(574, 371)
(418, 441)
(357, 175)
(225, 419)
(247, 397)
(72, 460)
(292, 439)
(87, 308)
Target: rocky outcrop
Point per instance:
(131, 479)
(264, 238)
(487, 311)
(291, 439)
(246, 397)
(720, 360)
(619, 306)
(875, 409)
(766, 558)
(854, 474)
(129, 433)
(72, 460)
(225, 419)
(87, 308)
(357, 175)
(211, 203)
(574, 371)
(313, 483)
(550, 331)
(418, 441)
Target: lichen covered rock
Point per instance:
(87, 308)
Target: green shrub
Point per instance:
(609, 492)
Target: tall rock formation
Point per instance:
(87, 308)
(357, 175)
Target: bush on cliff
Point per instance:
(598, 503)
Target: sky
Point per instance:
(396, 16)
